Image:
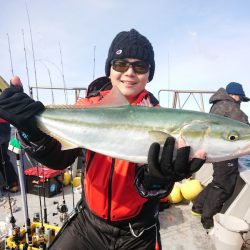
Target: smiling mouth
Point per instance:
(128, 83)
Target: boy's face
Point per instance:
(130, 83)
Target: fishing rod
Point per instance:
(12, 218)
(33, 51)
(50, 80)
(72, 188)
(40, 238)
(15, 232)
(45, 206)
(11, 63)
(26, 61)
(64, 83)
(39, 194)
(62, 208)
(94, 64)
(44, 199)
(27, 223)
(40, 231)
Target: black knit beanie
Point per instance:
(131, 44)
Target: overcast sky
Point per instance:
(199, 45)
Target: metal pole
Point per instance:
(50, 80)
(26, 61)
(64, 83)
(23, 193)
(33, 52)
(10, 55)
(94, 64)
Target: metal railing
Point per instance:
(198, 97)
(77, 91)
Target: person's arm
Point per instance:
(48, 152)
(20, 110)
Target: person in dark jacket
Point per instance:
(225, 102)
(120, 199)
(6, 168)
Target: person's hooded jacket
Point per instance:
(225, 105)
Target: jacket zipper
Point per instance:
(110, 188)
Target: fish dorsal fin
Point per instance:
(113, 99)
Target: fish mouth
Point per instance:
(238, 152)
(244, 151)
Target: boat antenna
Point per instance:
(64, 83)
(33, 52)
(26, 61)
(10, 54)
(94, 63)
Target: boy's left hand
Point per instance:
(159, 173)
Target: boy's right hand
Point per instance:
(20, 110)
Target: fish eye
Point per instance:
(233, 136)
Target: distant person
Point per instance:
(226, 102)
(6, 167)
(120, 200)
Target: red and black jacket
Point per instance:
(109, 183)
(4, 131)
(109, 191)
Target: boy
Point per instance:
(119, 207)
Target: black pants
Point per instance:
(6, 167)
(210, 201)
(86, 231)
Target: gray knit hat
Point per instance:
(131, 44)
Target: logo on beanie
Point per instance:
(118, 52)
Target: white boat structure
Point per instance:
(180, 230)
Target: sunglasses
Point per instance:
(139, 67)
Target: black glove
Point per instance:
(159, 174)
(20, 110)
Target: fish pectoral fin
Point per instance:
(159, 136)
(198, 129)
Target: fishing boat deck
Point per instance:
(179, 229)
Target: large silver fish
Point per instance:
(3, 84)
(126, 132)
